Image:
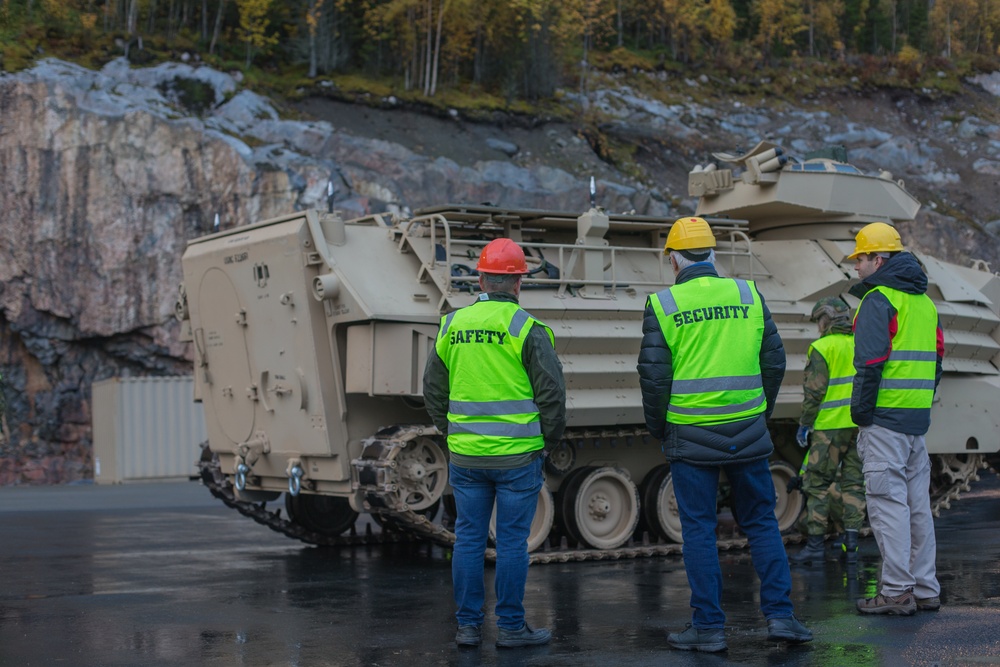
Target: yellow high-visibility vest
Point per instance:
(909, 372)
(837, 349)
(492, 410)
(714, 328)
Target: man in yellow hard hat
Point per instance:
(494, 385)
(710, 366)
(898, 348)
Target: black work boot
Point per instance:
(706, 640)
(813, 551)
(850, 546)
(788, 629)
(526, 636)
(469, 635)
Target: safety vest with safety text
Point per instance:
(492, 410)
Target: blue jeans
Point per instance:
(753, 508)
(516, 495)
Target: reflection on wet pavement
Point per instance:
(191, 583)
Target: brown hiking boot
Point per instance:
(928, 604)
(901, 605)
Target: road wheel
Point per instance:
(600, 507)
(787, 506)
(422, 471)
(660, 505)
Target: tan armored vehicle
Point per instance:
(310, 335)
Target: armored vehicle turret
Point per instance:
(310, 335)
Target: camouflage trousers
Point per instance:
(833, 482)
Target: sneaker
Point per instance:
(901, 605)
(928, 604)
(523, 637)
(788, 629)
(707, 640)
(469, 635)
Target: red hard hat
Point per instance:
(502, 256)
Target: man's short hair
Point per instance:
(500, 282)
(686, 258)
(699, 255)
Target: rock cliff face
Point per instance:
(98, 200)
(106, 176)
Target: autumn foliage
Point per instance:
(512, 48)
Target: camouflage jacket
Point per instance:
(815, 380)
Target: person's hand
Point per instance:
(795, 483)
(802, 436)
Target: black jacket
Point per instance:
(874, 327)
(741, 441)
(545, 375)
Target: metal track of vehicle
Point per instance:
(951, 476)
(219, 486)
(399, 523)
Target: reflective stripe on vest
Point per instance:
(837, 350)
(713, 327)
(909, 372)
(492, 411)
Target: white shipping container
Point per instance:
(145, 429)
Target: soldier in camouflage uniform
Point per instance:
(826, 421)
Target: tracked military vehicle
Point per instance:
(310, 335)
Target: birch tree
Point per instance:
(313, 15)
(721, 24)
(779, 22)
(253, 25)
(218, 26)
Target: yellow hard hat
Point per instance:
(876, 237)
(689, 234)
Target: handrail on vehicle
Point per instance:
(432, 222)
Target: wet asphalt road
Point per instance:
(162, 574)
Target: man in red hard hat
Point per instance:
(494, 385)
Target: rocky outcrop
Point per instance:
(108, 174)
(948, 157)
(100, 196)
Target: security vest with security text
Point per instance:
(714, 327)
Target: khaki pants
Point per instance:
(897, 473)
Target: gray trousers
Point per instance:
(897, 473)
